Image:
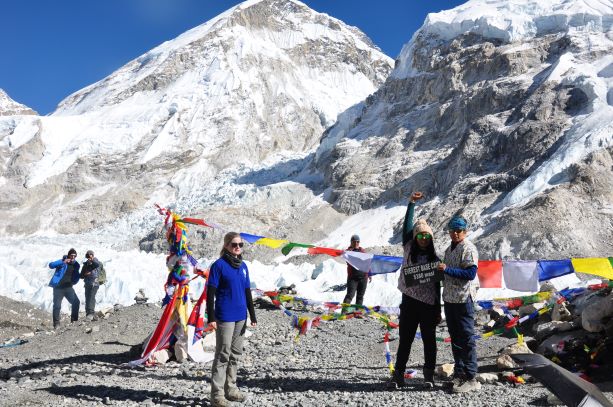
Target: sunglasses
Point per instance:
(235, 245)
(458, 231)
(423, 236)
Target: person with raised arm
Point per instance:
(420, 305)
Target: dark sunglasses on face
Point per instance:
(458, 231)
(235, 245)
(423, 236)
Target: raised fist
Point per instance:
(416, 196)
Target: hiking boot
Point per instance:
(467, 385)
(455, 382)
(236, 395)
(429, 377)
(396, 382)
(220, 402)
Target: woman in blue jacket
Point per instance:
(66, 275)
(228, 300)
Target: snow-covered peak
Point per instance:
(511, 21)
(254, 29)
(9, 107)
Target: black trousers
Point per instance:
(353, 285)
(414, 313)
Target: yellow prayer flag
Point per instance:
(272, 243)
(596, 266)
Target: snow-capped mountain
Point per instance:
(9, 107)
(497, 109)
(500, 110)
(258, 82)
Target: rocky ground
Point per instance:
(340, 363)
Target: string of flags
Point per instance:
(518, 275)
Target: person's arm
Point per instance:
(95, 268)
(250, 306)
(56, 264)
(210, 303)
(462, 273)
(407, 227)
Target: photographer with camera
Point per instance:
(66, 275)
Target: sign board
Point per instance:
(421, 273)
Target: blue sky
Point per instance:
(50, 49)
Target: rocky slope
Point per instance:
(500, 119)
(340, 363)
(259, 82)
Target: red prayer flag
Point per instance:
(490, 273)
(325, 250)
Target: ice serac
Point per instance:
(500, 110)
(261, 81)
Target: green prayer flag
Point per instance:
(288, 247)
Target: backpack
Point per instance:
(101, 274)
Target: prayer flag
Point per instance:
(251, 238)
(272, 243)
(596, 266)
(549, 269)
(521, 275)
(325, 250)
(384, 264)
(490, 273)
(360, 261)
(288, 247)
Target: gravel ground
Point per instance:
(342, 363)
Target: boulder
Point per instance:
(595, 316)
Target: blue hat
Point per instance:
(355, 238)
(457, 222)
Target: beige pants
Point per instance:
(228, 350)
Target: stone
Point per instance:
(530, 308)
(445, 370)
(516, 348)
(505, 362)
(596, 314)
(487, 378)
(560, 313)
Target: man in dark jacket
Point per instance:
(89, 274)
(356, 279)
(66, 275)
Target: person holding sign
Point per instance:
(420, 285)
(460, 268)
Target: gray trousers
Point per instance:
(58, 295)
(90, 298)
(228, 350)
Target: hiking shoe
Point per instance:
(236, 395)
(467, 385)
(429, 378)
(396, 382)
(220, 402)
(455, 382)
